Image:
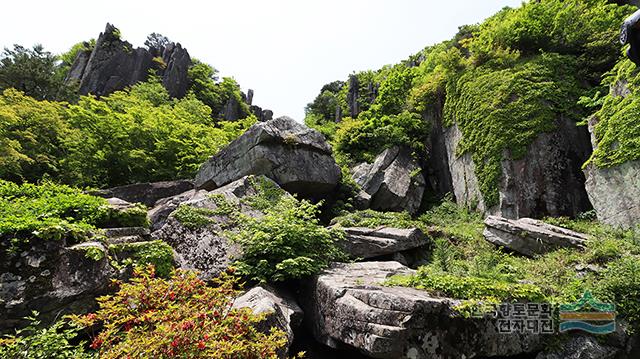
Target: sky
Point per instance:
(285, 50)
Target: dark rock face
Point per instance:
(52, 278)
(205, 247)
(615, 191)
(147, 193)
(529, 236)
(582, 347)
(548, 181)
(436, 167)
(352, 96)
(114, 64)
(393, 182)
(297, 158)
(346, 305)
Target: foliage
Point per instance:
(620, 284)
(617, 131)
(206, 87)
(31, 137)
(141, 135)
(364, 138)
(181, 316)
(34, 342)
(141, 254)
(373, 219)
(156, 41)
(468, 287)
(35, 72)
(193, 217)
(287, 242)
(54, 212)
(507, 109)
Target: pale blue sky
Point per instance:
(283, 49)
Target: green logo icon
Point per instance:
(589, 315)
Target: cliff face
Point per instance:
(114, 64)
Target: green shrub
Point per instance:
(151, 317)
(49, 211)
(141, 254)
(620, 284)
(460, 287)
(35, 342)
(286, 243)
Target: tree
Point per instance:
(34, 72)
(156, 41)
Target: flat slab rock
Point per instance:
(529, 236)
(363, 242)
(296, 157)
(146, 193)
(347, 305)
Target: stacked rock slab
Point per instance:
(368, 243)
(347, 305)
(147, 193)
(393, 182)
(296, 157)
(529, 236)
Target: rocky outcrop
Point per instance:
(369, 243)
(280, 308)
(393, 182)
(114, 64)
(198, 236)
(582, 347)
(529, 236)
(296, 157)
(615, 191)
(147, 193)
(547, 181)
(52, 278)
(346, 305)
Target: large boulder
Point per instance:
(280, 308)
(393, 182)
(547, 181)
(147, 193)
(347, 305)
(614, 191)
(52, 278)
(374, 242)
(195, 230)
(114, 64)
(529, 236)
(294, 156)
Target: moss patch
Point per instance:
(617, 132)
(506, 109)
(157, 253)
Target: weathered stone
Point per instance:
(127, 235)
(529, 236)
(281, 310)
(393, 182)
(547, 181)
(164, 207)
(615, 191)
(297, 158)
(347, 305)
(51, 278)
(582, 347)
(114, 65)
(368, 243)
(147, 193)
(205, 247)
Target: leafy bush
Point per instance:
(286, 243)
(141, 254)
(620, 284)
(182, 317)
(55, 212)
(35, 342)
